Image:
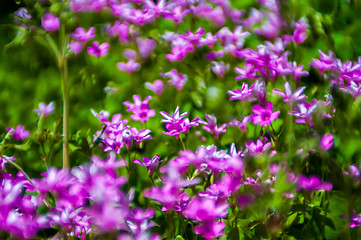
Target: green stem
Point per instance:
(63, 66)
(20, 169)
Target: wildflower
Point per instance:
(211, 125)
(290, 97)
(45, 109)
(19, 132)
(219, 68)
(304, 111)
(176, 79)
(264, 115)
(258, 148)
(145, 46)
(128, 67)
(140, 109)
(176, 124)
(244, 94)
(50, 22)
(150, 164)
(75, 46)
(98, 50)
(312, 184)
(326, 142)
(156, 87)
(83, 36)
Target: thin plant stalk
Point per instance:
(63, 65)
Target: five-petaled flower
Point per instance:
(264, 115)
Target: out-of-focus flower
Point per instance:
(244, 94)
(264, 115)
(50, 22)
(98, 50)
(128, 67)
(156, 87)
(326, 142)
(83, 36)
(176, 79)
(146, 47)
(75, 46)
(219, 68)
(45, 109)
(19, 132)
(312, 184)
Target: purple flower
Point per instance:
(207, 211)
(304, 111)
(177, 14)
(45, 109)
(176, 124)
(219, 68)
(140, 109)
(355, 220)
(211, 125)
(145, 46)
(312, 184)
(248, 73)
(50, 22)
(83, 36)
(176, 79)
(128, 67)
(244, 94)
(156, 87)
(258, 148)
(150, 164)
(264, 115)
(19, 132)
(290, 97)
(76, 47)
(98, 50)
(326, 142)
(139, 136)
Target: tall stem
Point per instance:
(63, 65)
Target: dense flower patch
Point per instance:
(215, 126)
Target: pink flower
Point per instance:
(76, 47)
(176, 79)
(128, 67)
(82, 35)
(156, 87)
(326, 142)
(290, 97)
(45, 109)
(264, 115)
(50, 22)
(19, 132)
(98, 50)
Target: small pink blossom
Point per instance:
(45, 109)
(98, 50)
(50, 22)
(326, 142)
(19, 132)
(264, 115)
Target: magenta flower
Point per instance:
(244, 94)
(50, 22)
(150, 164)
(83, 36)
(211, 125)
(312, 184)
(128, 67)
(140, 109)
(176, 124)
(146, 47)
(156, 87)
(326, 142)
(219, 68)
(19, 132)
(259, 147)
(75, 46)
(45, 109)
(264, 115)
(98, 50)
(176, 79)
(290, 97)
